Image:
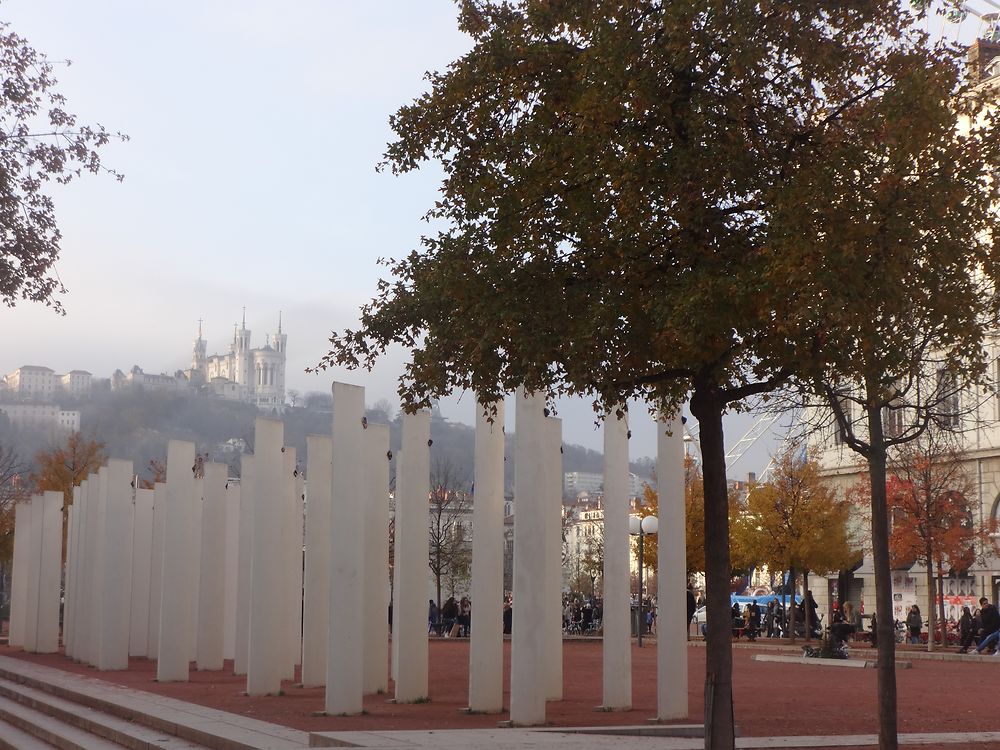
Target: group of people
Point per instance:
(453, 620)
(773, 621)
(981, 629)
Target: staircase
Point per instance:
(43, 708)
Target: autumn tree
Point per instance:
(449, 515)
(795, 522)
(63, 467)
(931, 522)
(620, 213)
(43, 145)
(12, 491)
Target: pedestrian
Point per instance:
(692, 606)
(914, 623)
(990, 629)
(874, 631)
(432, 617)
(966, 630)
(769, 618)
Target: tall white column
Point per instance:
(345, 649)
(232, 568)
(50, 573)
(528, 660)
(553, 556)
(617, 640)
(116, 568)
(486, 641)
(142, 558)
(212, 576)
(412, 553)
(156, 569)
(71, 570)
(34, 569)
(671, 575)
(197, 502)
(99, 488)
(291, 546)
(316, 607)
(241, 654)
(376, 554)
(265, 665)
(177, 587)
(19, 574)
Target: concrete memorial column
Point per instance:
(83, 642)
(617, 641)
(316, 607)
(212, 576)
(177, 587)
(376, 558)
(116, 567)
(142, 558)
(19, 574)
(552, 434)
(197, 503)
(34, 566)
(412, 554)
(241, 646)
(100, 501)
(73, 519)
(156, 569)
(232, 569)
(528, 660)
(291, 545)
(486, 642)
(50, 573)
(671, 575)
(345, 648)
(266, 637)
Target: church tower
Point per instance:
(242, 371)
(199, 360)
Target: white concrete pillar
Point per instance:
(553, 556)
(116, 568)
(528, 661)
(50, 573)
(34, 570)
(671, 575)
(345, 649)
(99, 497)
(486, 642)
(316, 607)
(142, 558)
(376, 559)
(197, 502)
(265, 665)
(232, 569)
(177, 584)
(156, 569)
(212, 576)
(412, 553)
(617, 641)
(291, 546)
(73, 519)
(241, 653)
(19, 574)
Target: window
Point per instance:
(839, 435)
(948, 402)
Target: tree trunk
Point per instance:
(930, 600)
(886, 663)
(707, 408)
(791, 609)
(807, 606)
(940, 610)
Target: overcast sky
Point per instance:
(255, 128)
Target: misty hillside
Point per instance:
(136, 424)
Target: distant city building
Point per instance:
(77, 382)
(32, 382)
(137, 378)
(42, 415)
(576, 483)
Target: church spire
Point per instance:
(279, 321)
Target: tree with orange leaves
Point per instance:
(931, 520)
(64, 466)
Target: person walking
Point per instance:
(914, 623)
(966, 629)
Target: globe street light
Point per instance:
(641, 527)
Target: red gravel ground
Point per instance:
(770, 698)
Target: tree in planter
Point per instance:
(794, 522)
(450, 543)
(931, 522)
(620, 210)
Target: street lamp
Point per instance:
(641, 527)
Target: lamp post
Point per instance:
(641, 527)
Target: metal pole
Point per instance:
(639, 622)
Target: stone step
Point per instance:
(50, 730)
(204, 727)
(12, 738)
(120, 731)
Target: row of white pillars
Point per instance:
(35, 588)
